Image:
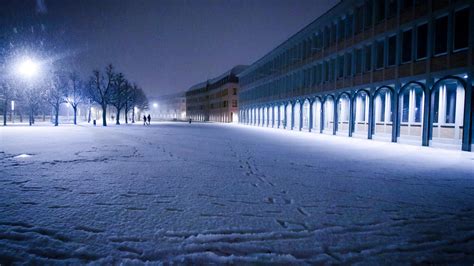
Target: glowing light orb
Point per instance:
(28, 68)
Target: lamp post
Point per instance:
(12, 113)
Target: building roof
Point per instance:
(292, 38)
(233, 72)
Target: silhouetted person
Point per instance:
(144, 120)
(190, 120)
(149, 119)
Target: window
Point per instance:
(225, 103)
(407, 5)
(358, 61)
(234, 91)
(349, 19)
(348, 64)
(379, 53)
(319, 73)
(326, 36)
(379, 10)
(359, 19)
(451, 103)
(441, 35)
(421, 3)
(461, 29)
(368, 58)
(392, 8)
(342, 28)
(340, 66)
(332, 69)
(406, 46)
(234, 103)
(368, 14)
(392, 50)
(421, 41)
(326, 71)
(333, 33)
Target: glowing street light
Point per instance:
(155, 105)
(28, 68)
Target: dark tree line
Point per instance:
(104, 88)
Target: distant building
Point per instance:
(399, 70)
(168, 107)
(215, 99)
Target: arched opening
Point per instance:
(306, 116)
(297, 116)
(287, 121)
(343, 113)
(447, 126)
(316, 116)
(411, 112)
(328, 115)
(361, 114)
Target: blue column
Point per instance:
(427, 117)
(371, 123)
(395, 113)
(335, 118)
(468, 120)
(321, 115)
(353, 97)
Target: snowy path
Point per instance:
(225, 193)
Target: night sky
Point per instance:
(165, 46)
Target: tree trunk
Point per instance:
(31, 117)
(56, 115)
(89, 117)
(5, 112)
(133, 115)
(74, 107)
(126, 114)
(117, 121)
(104, 115)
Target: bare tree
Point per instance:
(55, 92)
(8, 93)
(120, 91)
(100, 89)
(129, 100)
(136, 99)
(34, 99)
(75, 93)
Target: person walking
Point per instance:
(144, 120)
(149, 119)
(190, 120)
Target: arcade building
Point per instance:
(394, 70)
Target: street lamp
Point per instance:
(27, 68)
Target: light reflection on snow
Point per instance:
(23, 155)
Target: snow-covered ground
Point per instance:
(175, 192)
